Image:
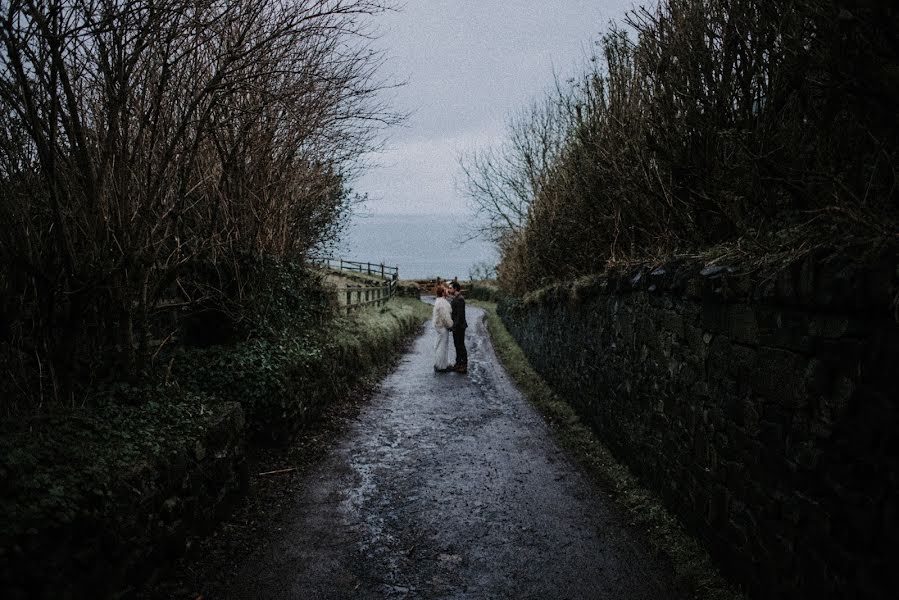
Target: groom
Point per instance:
(457, 303)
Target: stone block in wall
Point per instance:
(773, 436)
(742, 364)
(714, 317)
(830, 408)
(830, 326)
(741, 324)
(818, 378)
(697, 341)
(779, 377)
(673, 322)
(718, 363)
(842, 354)
(785, 328)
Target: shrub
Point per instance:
(74, 465)
(487, 291)
(94, 499)
(743, 129)
(283, 381)
(164, 140)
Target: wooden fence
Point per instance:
(356, 296)
(360, 295)
(338, 264)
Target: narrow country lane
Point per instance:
(450, 486)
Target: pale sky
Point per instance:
(469, 64)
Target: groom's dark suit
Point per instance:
(459, 326)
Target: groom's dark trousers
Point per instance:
(459, 326)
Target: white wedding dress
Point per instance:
(442, 318)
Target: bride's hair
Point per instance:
(440, 291)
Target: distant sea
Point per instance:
(422, 246)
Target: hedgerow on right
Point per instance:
(740, 131)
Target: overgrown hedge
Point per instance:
(95, 499)
(134, 192)
(486, 291)
(755, 131)
(283, 382)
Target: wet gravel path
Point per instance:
(450, 486)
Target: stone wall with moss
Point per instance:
(763, 409)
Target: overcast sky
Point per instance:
(469, 64)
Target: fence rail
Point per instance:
(351, 266)
(357, 296)
(360, 295)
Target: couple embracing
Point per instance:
(449, 316)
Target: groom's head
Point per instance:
(455, 287)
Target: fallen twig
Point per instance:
(278, 472)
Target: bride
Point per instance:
(443, 322)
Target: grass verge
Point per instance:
(370, 341)
(694, 572)
(284, 379)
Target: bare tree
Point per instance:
(768, 127)
(501, 182)
(140, 136)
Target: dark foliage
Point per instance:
(146, 149)
(103, 496)
(60, 468)
(729, 127)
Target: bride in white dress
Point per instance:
(442, 318)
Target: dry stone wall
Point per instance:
(764, 410)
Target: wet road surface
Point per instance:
(450, 486)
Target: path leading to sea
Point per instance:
(450, 486)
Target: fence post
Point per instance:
(382, 270)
